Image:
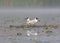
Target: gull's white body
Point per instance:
(31, 22)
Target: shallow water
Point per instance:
(16, 17)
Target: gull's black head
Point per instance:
(26, 17)
(36, 18)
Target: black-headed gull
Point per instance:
(31, 22)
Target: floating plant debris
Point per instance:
(19, 33)
(34, 26)
(48, 31)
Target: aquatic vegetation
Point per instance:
(34, 26)
(10, 26)
(53, 26)
(19, 34)
(56, 26)
(48, 31)
(42, 31)
(34, 41)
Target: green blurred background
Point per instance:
(29, 3)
